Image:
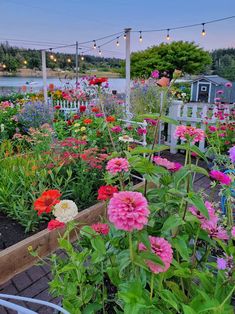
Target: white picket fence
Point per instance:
(71, 107)
(193, 114)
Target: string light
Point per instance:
(100, 53)
(94, 46)
(4, 66)
(124, 36)
(55, 60)
(140, 38)
(203, 30)
(51, 56)
(82, 57)
(25, 62)
(117, 42)
(168, 35)
(69, 60)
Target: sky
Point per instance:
(51, 23)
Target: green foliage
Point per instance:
(224, 63)
(184, 56)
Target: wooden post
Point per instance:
(128, 71)
(44, 75)
(76, 61)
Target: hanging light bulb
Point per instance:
(55, 60)
(117, 42)
(4, 66)
(168, 34)
(203, 30)
(25, 62)
(140, 38)
(82, 57)
(51, 56)
(100, 53)
(124, 36)
(94, 46)
(69, 60)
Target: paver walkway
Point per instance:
(33, 283)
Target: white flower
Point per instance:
(126, 138)
(183, 94)
(65, 211)
(2, 127)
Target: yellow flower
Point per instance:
(76, 125)
(83, 128)
(76, 131)
(84, 137)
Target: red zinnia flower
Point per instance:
(87, 121)
(101, 228)
(95, 109)
(98, 81)
(57, 107)
(46, 201)
(55, 224)
(82, 108)
(69, 122)
(76, 117)
(110, 119)
(105, 192)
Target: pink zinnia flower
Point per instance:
(128, 210)
(217, 232)
(172, 166)
(189, 133)
(232, 154)
(219, 92)
(162, 249)
(221, 177)
(116, 129)
(233, 232)
(100, 228)
(55, 224)
(151, 121)
(141, 131)
(116, 165)
(229, 84)
(213, 219)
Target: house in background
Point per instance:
(204, 88)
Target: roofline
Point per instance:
(205, 78)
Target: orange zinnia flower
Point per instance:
(110, 119)
(46, 201)
(87, 121)
(95, 109)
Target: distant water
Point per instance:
(14, 84)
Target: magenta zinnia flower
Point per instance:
(116, 165)
(128, 210)
(141, 131)
(229, 84)
(155, 74)
(100, 228)
(116, 129)
(162, 249)
(221, 177)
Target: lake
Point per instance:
(14, 84)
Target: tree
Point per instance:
(224, 63)
(184, 56)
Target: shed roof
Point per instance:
(216, 79)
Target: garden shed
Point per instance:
(204, 88)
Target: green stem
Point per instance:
(151, 287)
(131, 247)
(229, 213)
(103, 288)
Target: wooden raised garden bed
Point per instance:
(17, 258)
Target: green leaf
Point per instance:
(181, 246)
(187, 309)
(196, 200)
(194, 149)
(169, 120)
(169, 298)
(172, 222)
(98, 244)
(148, 150)
(92, 308)
(152, 257)
(198, 169)
(88, 232)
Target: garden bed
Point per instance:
(17, 258)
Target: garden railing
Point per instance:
(193, 114)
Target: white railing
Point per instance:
(70, 107)
(193, 114)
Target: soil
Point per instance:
(12, 232)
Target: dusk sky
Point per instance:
(65, 21)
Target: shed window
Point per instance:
(203, 88)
